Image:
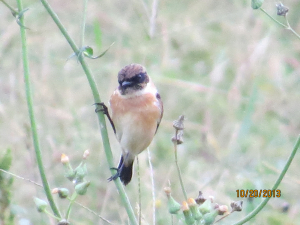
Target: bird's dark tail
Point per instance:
(125, 171)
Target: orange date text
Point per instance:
(266, 193)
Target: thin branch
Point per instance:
(275, 186)
(39, 185)
(287, 26)
(140, 193)
(272, 18)
(14, 12)
(152, 184)
(290, 28)
(153, 18)
(177, 166)
(223, 217)
(51, 215)
(83, 22)
(91, 211)
(72, 200)
(32, 116)
(101, 118)
(22, 178)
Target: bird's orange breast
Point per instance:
(135, 119)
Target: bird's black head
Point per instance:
(132, 78)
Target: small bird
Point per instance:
(136, 112)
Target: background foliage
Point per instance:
(230, 70)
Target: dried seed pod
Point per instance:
(178, 124)
(200, 199)
(236, 206)
(281, 9)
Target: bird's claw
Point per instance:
(101, 107)
(114, 168)
(114, 177)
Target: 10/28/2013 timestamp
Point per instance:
(266, 193)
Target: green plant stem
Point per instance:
(275, 186)
(272, 18)
(290, 28)
(22, 178)
(101, 118)
(222, 218)
(83, 22)
(153, 187)
(140, 193)
(177, 166)
(93, 212)
(32, 117)
(72, 200)
(39, 185)
(51, 215)
(287, 26)
(14, 12)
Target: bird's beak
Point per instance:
(126, 84)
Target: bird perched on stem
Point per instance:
(136, 112)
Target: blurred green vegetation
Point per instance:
(230, 70)
(6, 207)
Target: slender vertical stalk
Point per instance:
(51, 215)
(177, 166)
(32, 117)
(101, 118)
(140, 193)
(83, 23)
(72, 200)
(290, 28)
(8, 6)
(275, 186)
(153, 186)
(272, 18)
(153, 18)
(287, 26)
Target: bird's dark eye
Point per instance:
(140, 78)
